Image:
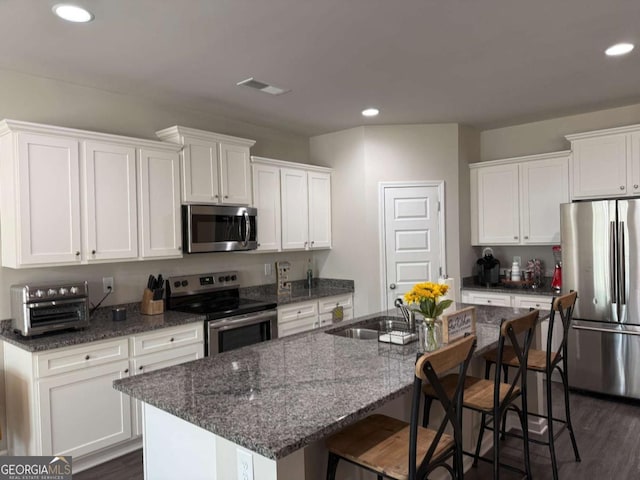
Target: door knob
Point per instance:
(392, 286)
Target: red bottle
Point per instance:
(556, 281)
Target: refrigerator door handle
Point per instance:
(613, 262)
(606, 329)
(622, 260)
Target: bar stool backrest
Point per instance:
(563, 306)
(520, 332)
(428, 368)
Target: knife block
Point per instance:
(149, 306)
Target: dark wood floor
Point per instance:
(607, 432)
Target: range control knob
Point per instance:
(73, 290)
(63, 291)
(227, 278)
(221, 279)
(39, 293)
(234, 277)
(51, 292)
(184, 283)
(176, 284)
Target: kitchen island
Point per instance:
(270, 405)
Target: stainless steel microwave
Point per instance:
(218, 228)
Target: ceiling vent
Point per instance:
(263, 87)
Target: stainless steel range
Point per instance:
(231, 321)
(42, 308)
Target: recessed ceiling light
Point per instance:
(72, 13)
(619, 49)
(370, 112)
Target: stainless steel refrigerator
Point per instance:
(600, 243)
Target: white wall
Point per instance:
(548, 135)
(362, 157)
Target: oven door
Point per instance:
(213, 228)
(241, 330)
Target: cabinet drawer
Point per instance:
(540, 302)
(326, 305)
(494, 299)
(327, 318)
(76, 358)
(297, 311)
(296, 326)
(167, 338)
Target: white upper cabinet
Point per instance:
(72, 196)
(319, 185)
(266, 198)
(606, 163)
(110, 213)
(215, 167)
(295, 208)
(159, 212)
(41, 200)
(517, 201)
(294, 205)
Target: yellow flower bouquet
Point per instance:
(425, 295)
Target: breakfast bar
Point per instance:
(267, 407)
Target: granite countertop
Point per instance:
(470, 283)
(101, 327)
(321, 287)
(279, 396)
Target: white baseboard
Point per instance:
(4, 453)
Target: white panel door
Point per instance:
(295, 209)
(498, 205)
(159, 205)
(544, 185)
(80, 412)
(600, 166)
(200, 172)
(110, 214)
(49, 185)
(412, 233)
(266, 198)
(319, 185)
(235, 174)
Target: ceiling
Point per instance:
(485, 63)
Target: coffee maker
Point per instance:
(488, 268)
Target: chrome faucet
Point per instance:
(407, 314)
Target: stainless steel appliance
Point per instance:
(231, 321)
(488, 268)
(43, 308)
(217, 228)
(600, 244)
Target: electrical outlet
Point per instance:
(245, 465)
(107, 284)
(267, 269)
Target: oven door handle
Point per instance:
(241, 320)
(52, 303)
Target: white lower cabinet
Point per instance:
(303, 316)
(541, 302)
(62, 401)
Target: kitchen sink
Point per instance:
(359, 333)
(370, 329)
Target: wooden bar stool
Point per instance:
(405, 451)
(546, 361)
(494, 398)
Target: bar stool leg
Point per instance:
(496, 444)
(479, 443)
(565, 384)
(505, 369)
(332, 465)
(552, 448)
(426, 411)
(525, 439)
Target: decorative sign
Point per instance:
(458, 324)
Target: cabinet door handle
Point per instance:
(226, 196)
(141, 367)
(312, 242)
(215, 196)
(515, 238)
(93, 252)
(77, 254)
(87, 357)
(621, 187)
(526, 237)
(488, 301)
(635, 186)
(171, 339)
(126, 371)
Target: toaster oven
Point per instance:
(38, 309)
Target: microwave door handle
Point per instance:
(247, 229)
